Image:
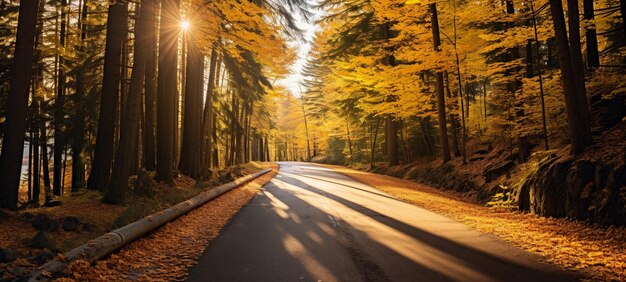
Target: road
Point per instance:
(313, 224)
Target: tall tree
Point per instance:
(13, 138)
(167, 89)
(441, 98)
(103, 157)
(78, 144)
(191, 150)
(573, 80)
(151, 89)
(59, 115)
(116, 193)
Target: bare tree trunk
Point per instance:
(128, 134)
(191, 152)
(103, 158)
(593, 57)
(577, 111)
(391, 136)
(207, 142)
(167, 92)
(151, 89)
(441, 99)
(540, 73)
(13, 139)
(78, 144)
(59, 142)
(374, 145)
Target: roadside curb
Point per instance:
(106, 244)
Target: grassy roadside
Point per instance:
(168, 252)
(94, 217)
(599, 253)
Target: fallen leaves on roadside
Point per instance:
(167, 253)
(597, 252)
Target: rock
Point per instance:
(7, 255)
(495, 171)
(43, 256)
(237, 171)
(225, 176)
(43, 222)
(580, 182)
(40, 241)
(3, 214)
(609, 112)
(70, 223)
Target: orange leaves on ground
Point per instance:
(597, 252)
(167, 253)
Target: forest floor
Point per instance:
(598, 253)
(19, 230)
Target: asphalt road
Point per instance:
(313, 224)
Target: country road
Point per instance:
(313, 224)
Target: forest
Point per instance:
(116, 88)
(135, 106)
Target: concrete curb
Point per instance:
(106, 244)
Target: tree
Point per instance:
(191, 151)
(13, 138)
(573, 80)
(166, 89)
(103, 157)
(116, 193)
(441, 98)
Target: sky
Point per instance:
(303, 45)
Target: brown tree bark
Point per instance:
(577, 112)
(593, 56)
(149, 157)
(441, 99)
(207, 115)
(116, 193)
(13, 139)
(78, 144)
(103, 156)
(167, 92)
(191, 151)
(391, 136)
(59, 140)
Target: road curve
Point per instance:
(313, 224)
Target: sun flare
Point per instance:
(185, 25)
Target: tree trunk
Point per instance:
(540, 73)
(150, 89)
(191, 151)
(167, 89)
(116, 34)
(372, 151)
(349, 145)
(577, 112)
(593, 57)
(206, 136)
(441, 99)
(44, 158)
(128, 133)
(78, 144)
(59, 142)
(13, 139)
(391, 135)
